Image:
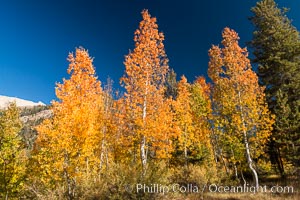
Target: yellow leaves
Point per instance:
(239, 103)
(80, 63)
(184, 115)
(74, 134)
(13, 158)
(148, 113)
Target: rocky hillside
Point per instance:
(32, 114)
(31, 117)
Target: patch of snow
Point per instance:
(5, 101)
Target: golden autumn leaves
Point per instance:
(144, 81)
(91, 130)
(241, 114)
(13, 159)
(68, 147)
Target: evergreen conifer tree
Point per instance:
(276, 45)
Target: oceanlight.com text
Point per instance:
(250, 189)
(212, 188)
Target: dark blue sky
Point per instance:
(36, 37)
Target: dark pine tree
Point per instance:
(276, 47)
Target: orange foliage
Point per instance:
(147, 113)
(238, 100)
(68, 145)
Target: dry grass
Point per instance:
(260, 196)
(223, 196)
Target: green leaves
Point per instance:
(276, 44)
(12, 153)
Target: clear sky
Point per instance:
(37, 35)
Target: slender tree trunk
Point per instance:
(215, 155)
(135, 147)
(185, 148)
(224, 162)
(280, 164)
(275, 157)
(250, 162)
(102, 153)
(103, 147)
(143, 140)
(214, 145)
(246, 143)
(218, 152)
(234, 165)
(143, 154)
(235, 171)
(242, 175)
(104, 129)
(70, 193)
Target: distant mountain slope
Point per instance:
(44, 114)
(31, 117)
(5, 100)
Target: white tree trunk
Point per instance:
(185, 147)
(249, 160)
(143, 140)
(102, 154)
(246, 143)
(143, 154)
